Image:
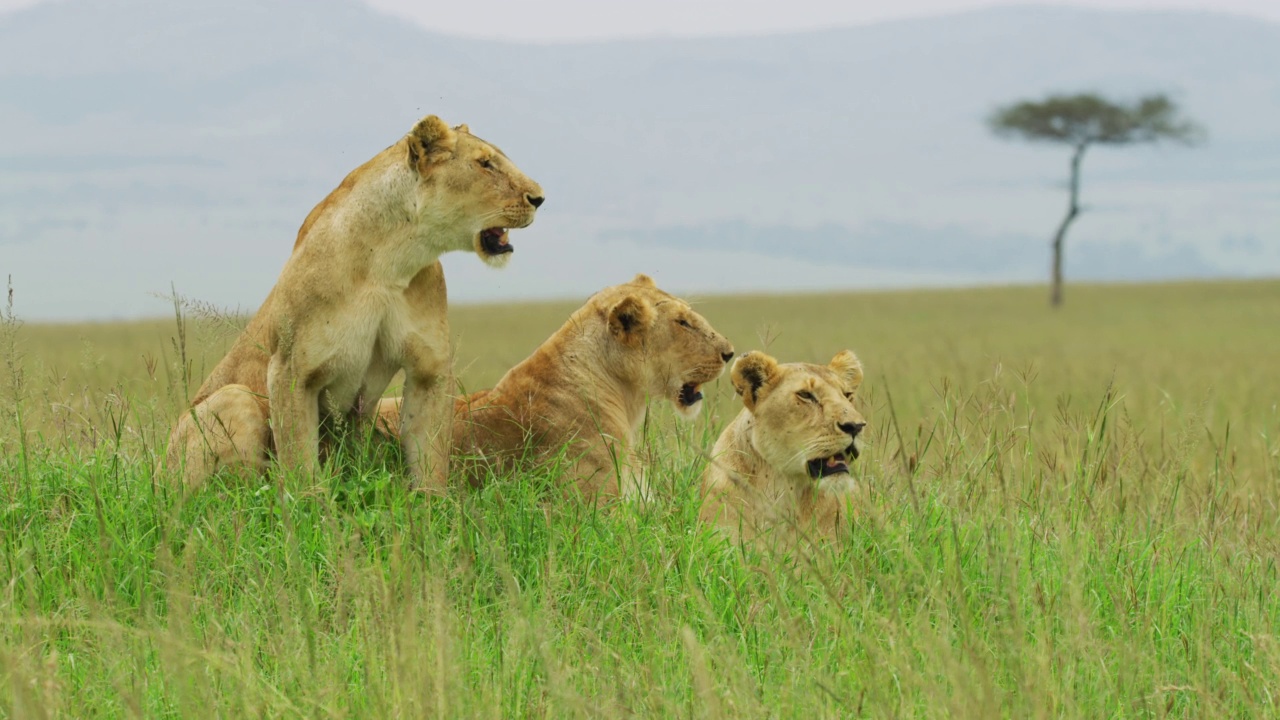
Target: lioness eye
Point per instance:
(684, 323)
(806, 396)
(486, 163)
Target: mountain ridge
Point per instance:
(162, 145)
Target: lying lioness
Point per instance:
(585, 390)
(361, 297)
(785, 459)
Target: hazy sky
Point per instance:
(547, 20)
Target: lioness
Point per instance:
(361, 297)
(785, 458)
(586, 388)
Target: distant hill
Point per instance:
(155, 141)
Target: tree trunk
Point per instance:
(1073, 209)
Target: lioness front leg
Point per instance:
(426, 423)
(608, 471)
(295, 418)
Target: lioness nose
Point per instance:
(726, 356)
(852, 428)
(535, 200)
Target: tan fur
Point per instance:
(361, 297)
(586, 389)
(758, 477)
(229, 429)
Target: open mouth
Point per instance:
(494, 241)
(834, 465)
(690, 394)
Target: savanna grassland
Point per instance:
(1066, 514)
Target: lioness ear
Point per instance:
(462, 127)
(430, 141)
(849, 368)
(642, 279)
(753, 377)
(630, 318)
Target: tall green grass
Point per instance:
(1066, 514)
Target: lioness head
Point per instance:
(485, 193)
(662, 342)
(805, 424)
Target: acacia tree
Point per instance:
(1083, 120)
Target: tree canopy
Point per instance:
(1086, 119)
(1080, 121)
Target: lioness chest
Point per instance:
(359, 349)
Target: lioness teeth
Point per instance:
(690, 393)
(831, 465)
(495, 241)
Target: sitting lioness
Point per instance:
(585, 390)
(785, 459)
(361, 297)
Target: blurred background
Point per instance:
(721, 146)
